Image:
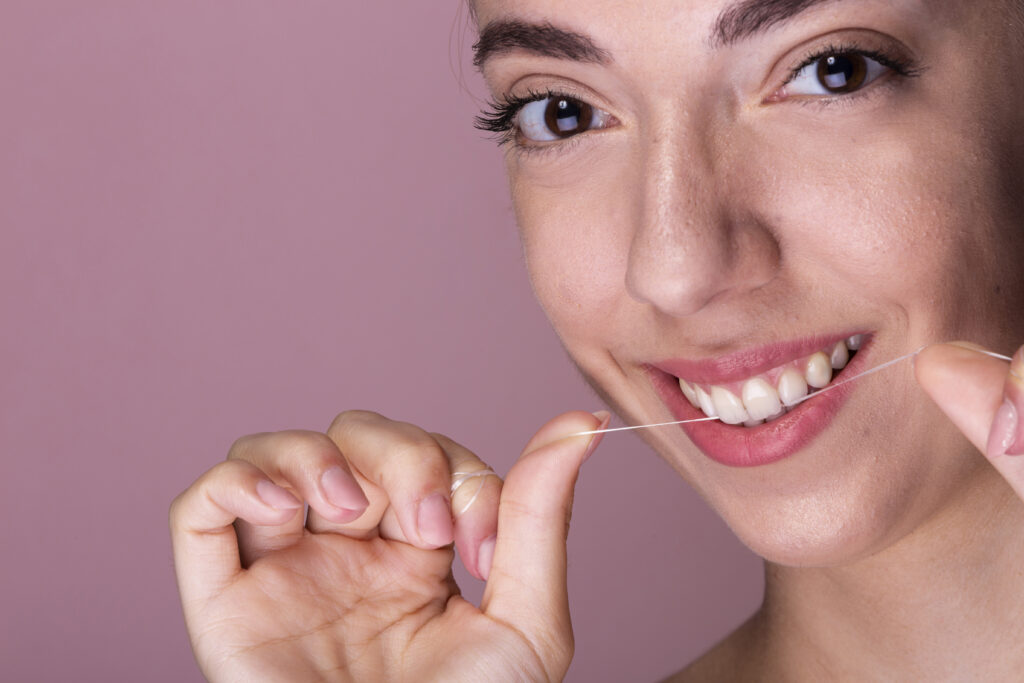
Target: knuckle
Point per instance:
(304, 446)
(244, 444)
(174, 512)
(414, 450)
(420, 455)
(353, 419)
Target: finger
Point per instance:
(527, 584)
(475, 504)
(206, 555)
(310, 464)
(1007, 435)
(409, 465)
(966, 385)
(257, 540)
(977, 392)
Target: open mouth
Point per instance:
(769, 395)
(758, 395)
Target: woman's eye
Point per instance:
(556, 118)
(836, 74)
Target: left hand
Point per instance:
(984, 397)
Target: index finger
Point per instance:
(408, 464)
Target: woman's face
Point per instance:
(717, 190)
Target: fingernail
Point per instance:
(605, 417)
(276, 497)
(342, 491)
(1004, 430)
(434, 520)
(1017, 365)
(485, 556)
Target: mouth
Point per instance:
(760, 396)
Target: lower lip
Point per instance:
(739, 446)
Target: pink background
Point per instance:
(228, 217)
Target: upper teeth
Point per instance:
(759, 400)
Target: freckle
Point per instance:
(999, 290)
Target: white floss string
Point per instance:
(808, 397)
(460, 478)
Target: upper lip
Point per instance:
(748, 362)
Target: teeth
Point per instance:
(819, 370)
(760, 402)
(729, 406)
(689, 392)
(706, 404)
(792, 387)
(840, 356)
(760, 399)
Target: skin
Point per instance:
(707, 221)
(712, 215)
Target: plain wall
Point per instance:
(228, 217)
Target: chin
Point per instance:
(858, 513)
(806, 533)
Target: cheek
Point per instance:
(897, 219)
(576, 243)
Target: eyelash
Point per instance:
(903, 67)
(499, 117)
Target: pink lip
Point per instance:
(739, 446)
(747, 363)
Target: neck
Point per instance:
(944, 603)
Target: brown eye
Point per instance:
(558, 117)
(842, 73)
(566, 117)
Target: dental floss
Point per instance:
(460, 478)
(808, 397)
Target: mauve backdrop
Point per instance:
(228, 217)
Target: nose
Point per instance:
(697, 239)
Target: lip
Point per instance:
(748, 362)
(739, 446)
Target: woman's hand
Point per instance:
(984, 397)
(362, 590)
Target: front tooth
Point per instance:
(840, 356)
(689, 393)
(729, 406)
(855, 342)
(792, 386)
(760, 399)
(819, 370)
(706, 404)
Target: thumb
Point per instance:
(526, 587)
(966, 385)
(971, 389)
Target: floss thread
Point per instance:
(877, 368)
(460, 478)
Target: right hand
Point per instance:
(363, 590)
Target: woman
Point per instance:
(724, 204)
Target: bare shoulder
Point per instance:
(734, 659)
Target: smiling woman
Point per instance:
(724, 207)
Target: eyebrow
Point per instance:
(542, 39)
(748, 17)
(741, 20)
